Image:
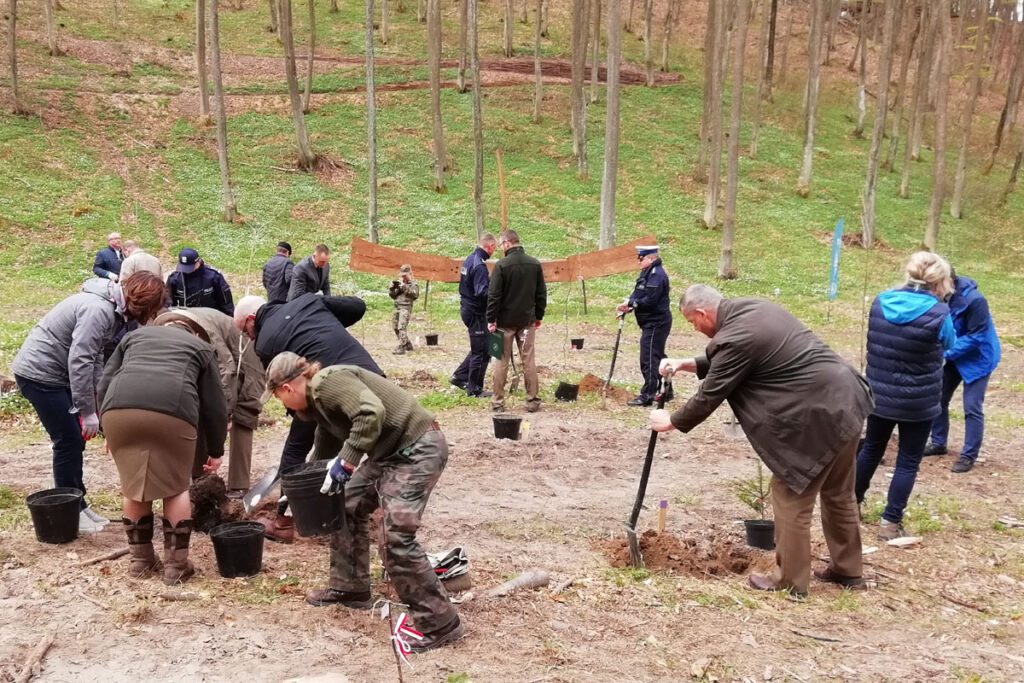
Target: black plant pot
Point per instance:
(431, 339)
(760, 533)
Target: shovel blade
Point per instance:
(260, 491)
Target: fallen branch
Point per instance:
(112, 555)
(563, 586)
(534, 578)
(98, 603)
(963, 603)
(175, 596)
(28, 669)
(814, 636)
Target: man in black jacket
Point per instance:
(193, 284)
(516, 300)
(277, 273)
(312, 274)
(314, 327)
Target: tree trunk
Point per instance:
(579, 103)
(628, 26)
(204, 94)
(538, 93)
(867, 219)
(648, 48)
(769, 66)
(478, 125)
(274, 26)
(700, 171)
(1008, 115)
(862, 77)
(117, 20)
(595, 48)
(434, 59)
(811, 97)
(546, 4)
(715, 120)
(726, 266)
(784, 65)
(230, 212)
(857, 51)
(507, 34)
(832, 7)
(51, 28)
(945, 38)
(960, 181)
(924, 96)
(1013, 174)
(334, 7)
(463, 30)
(309, 57)
(371, 127)
(671, 15)
(12, 52)
(524, 18)
(385, 24)
(421, 11)
(611, 128)
(916, 105)
(755, 133)
(284, 20)
(901, 88)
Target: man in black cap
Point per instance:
(277, 273)
(650, 302)
(193, 284)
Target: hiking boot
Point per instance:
(408, 346)
(533, 407)
(498, 407)
(140, 545)
(399, 350)
(457, 383)
(177, 567)
(761, 582)
(439, 638)
(888, 531)
(480, 394)
(321, 597)
(934, 449)
(639, 402)
(851, 582)
(962, 464)
(280, 528)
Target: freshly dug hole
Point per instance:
(698, 556)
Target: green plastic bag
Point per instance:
(496, 344)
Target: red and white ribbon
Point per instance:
(398, 638)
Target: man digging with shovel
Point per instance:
(802, 408)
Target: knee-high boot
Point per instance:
(177, 567)
(140, 545)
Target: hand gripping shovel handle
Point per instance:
(635, 558)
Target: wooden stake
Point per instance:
(504, 194)
(35, 658)
(662, 513)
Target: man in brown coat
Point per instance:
(802, 408)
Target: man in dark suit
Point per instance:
(312, 274)
(277, 273)
(108, 260)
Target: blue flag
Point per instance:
(833, 276)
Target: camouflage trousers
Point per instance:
(400, 323)
(400, 485)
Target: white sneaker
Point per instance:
(87, 524)
(99, 519)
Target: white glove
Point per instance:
(112, 277)
(90, 425)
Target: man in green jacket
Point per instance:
(516, 300)
(357, 412)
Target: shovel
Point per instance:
(615, 352)
(263, 487)
(635, 558)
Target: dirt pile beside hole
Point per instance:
(592, 384)
(698, 556)
(421, 379)
(210, 504)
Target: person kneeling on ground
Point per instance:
(160, 389)
(359, 412)
(801, 406)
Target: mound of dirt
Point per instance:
(710, 555)
(210, 504)
(592, 384)
(421, 379)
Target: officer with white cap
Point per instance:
(650, 302)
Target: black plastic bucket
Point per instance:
(55, 514)
(239, 548)
(431, 339)
(507, 426)
(577, 344)
(314, 513)
(760, 533)
(567, 392)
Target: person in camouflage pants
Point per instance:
(404, 291)
(361, 412)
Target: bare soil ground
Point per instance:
(950, 608)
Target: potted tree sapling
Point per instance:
(754, 493)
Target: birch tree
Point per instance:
(230, 211)
(204, 94)
(726, 265)
(478, 125)
(945, 39)
(611, 128)
(811, 97)
(878, 131)
(434, 59)
(284, 20)
(371, 127)
(960, 179)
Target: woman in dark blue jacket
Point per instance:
(908, 332)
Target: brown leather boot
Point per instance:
(280, 528)
(140, 544)
(177, 567)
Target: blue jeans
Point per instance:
(57, 412)
(913, 437)
(974, 416)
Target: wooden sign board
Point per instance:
(367, 257)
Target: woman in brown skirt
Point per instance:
(159, 390)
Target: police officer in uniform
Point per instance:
(193, 284)
(650, 302)
(474, 281)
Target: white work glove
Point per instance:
(112, 277)
(338, 473)
(90, 425)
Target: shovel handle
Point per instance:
(645, 474)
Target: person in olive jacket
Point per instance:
(801, 406)
(159, 391)
(516, 300)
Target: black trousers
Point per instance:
(653, 337)
(474, 367)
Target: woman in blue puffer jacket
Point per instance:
(908, 331)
